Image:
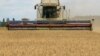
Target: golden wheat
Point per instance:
(49, 43)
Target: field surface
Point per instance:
(49, 43)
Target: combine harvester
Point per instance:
(50, 15)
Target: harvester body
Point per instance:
(50, 15)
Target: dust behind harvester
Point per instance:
(50, 15)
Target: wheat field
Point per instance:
(49, 43)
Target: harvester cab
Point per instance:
(50, 10)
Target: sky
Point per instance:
(25, 8)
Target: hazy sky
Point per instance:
(25, 8)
